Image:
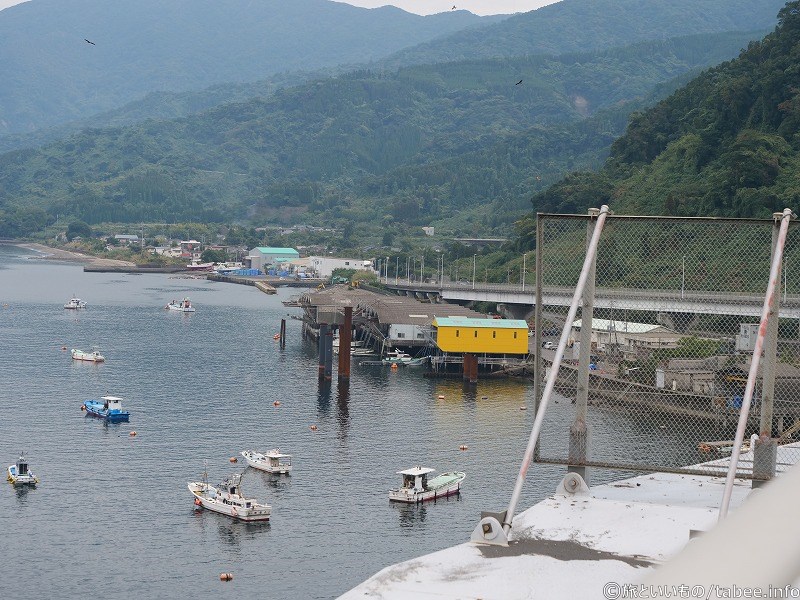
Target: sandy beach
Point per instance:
(66, 255)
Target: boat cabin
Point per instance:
(416, 478)
(112, 403)
(274, 458)
(22, 466)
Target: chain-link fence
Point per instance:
(670, 319)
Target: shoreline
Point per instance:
(49, 253)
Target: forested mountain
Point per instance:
(586, 25)
(426, 143)
(176, 48)
(726, 144)
(51, 75)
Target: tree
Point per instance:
(78, 229)
(210, 255)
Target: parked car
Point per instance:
(548, 345)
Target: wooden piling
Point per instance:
(345, 338)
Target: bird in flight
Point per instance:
(89, 42)
(520, 81)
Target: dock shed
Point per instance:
(481, 336)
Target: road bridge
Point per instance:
(518, 301)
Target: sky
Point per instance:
(428, 7)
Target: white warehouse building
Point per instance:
(323, 266)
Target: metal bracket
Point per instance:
(489, 531)
(572, 485)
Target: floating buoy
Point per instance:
(276, 403)
(132, 434)
(277, 336)
(313, 428)
(233, 459)
(523, 408)
(197, 502)
(83, 407)
(462, 447)
(225, 576)
(441, 396)
(63, 347)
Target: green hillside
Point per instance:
(446, 143)
(726, 144)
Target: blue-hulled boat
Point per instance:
(108, 408)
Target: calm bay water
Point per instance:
(112, 516)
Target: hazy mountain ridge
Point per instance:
(51, 75)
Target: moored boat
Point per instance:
(418, 488)
(93, 356)
(228, 500)
(200, 266)
(180, 305)
(108, 408)
(271, 462)
(20, 473)
(75, 303)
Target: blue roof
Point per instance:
(291, 251)
(480, 323)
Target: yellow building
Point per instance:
(481, 336)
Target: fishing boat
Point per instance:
(75, 303)
(401, 358)
(271, 462)
(108, 408)
(20, 473)
(180, 305)
(200, 266)
(227, 499)
(418, 488)
(93, 356)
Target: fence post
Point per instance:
(578, 430)
(537, 325)
(765, 448)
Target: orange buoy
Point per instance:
(132, 434)
(441, 396)
(233, 459)
(313, 428)
(276, 403)
(83, 407)
(462, 447)
(277, 336)
(225, 576)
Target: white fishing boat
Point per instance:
(271, 462)
(195, 266)
(227, 499)
(180, 305)
(75, 303)
(418, 488)
(20, 473)
(93, 356)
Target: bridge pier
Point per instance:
(515, 311)
(678, 321)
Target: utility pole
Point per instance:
(474, 258)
